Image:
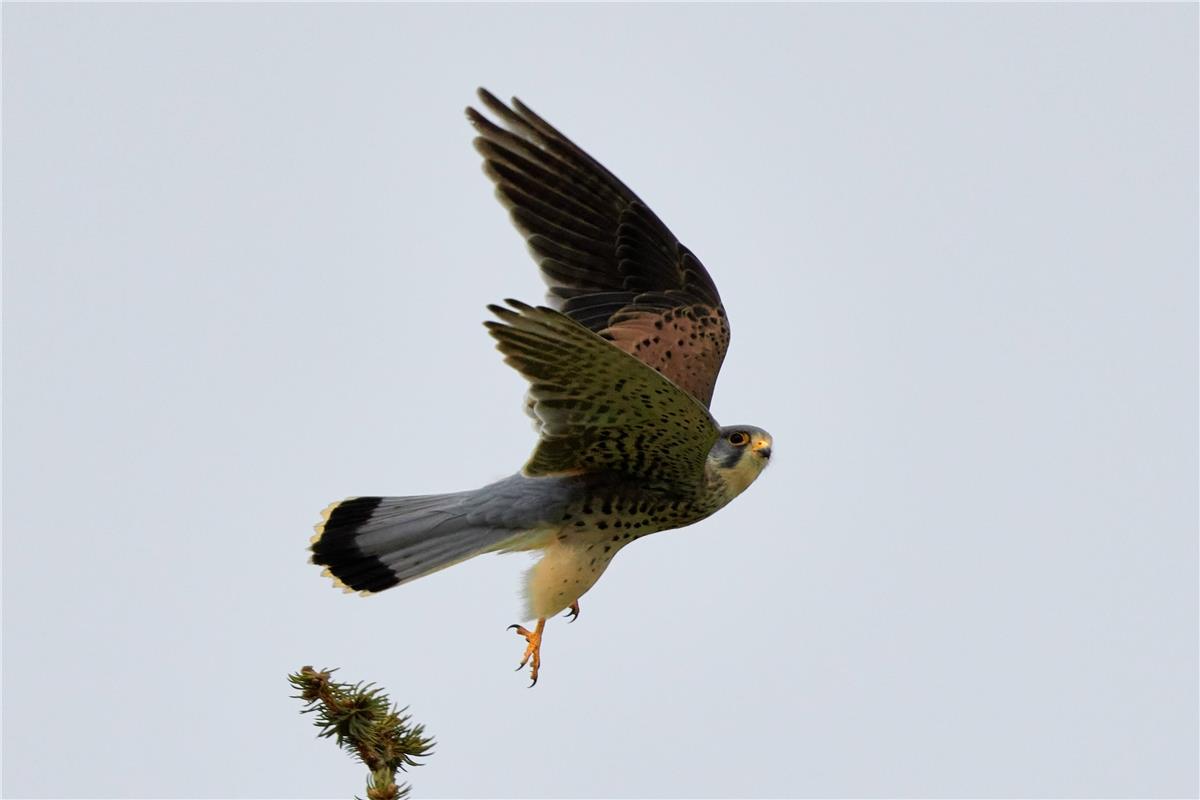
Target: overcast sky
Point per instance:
(247, 251)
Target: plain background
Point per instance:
(246, 254)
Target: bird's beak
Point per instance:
(762, 447)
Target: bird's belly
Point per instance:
(566, 571)
(590, 533)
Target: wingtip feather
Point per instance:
(474, 117)
(493, 103)
(507, 314)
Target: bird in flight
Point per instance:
(621, 367)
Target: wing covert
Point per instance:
(600, 409)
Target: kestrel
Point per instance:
(621, 367)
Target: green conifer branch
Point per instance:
(365, 723)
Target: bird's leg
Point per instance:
(533, 650)
(574, 612)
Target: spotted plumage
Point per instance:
(621, 368)
(600, 408)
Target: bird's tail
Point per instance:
(369, 544)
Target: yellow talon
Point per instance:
(533, 650)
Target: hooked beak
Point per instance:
(762, 447)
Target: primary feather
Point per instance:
(610, 262)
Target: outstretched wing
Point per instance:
(600, 409)
(610, 263)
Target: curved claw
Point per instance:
(533, 639)
(573, 613)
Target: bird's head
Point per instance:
(739, 455)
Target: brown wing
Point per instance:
(610, 263)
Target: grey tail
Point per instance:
(369, 544)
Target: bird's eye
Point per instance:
(738, 439)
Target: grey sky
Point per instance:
(246, 255)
